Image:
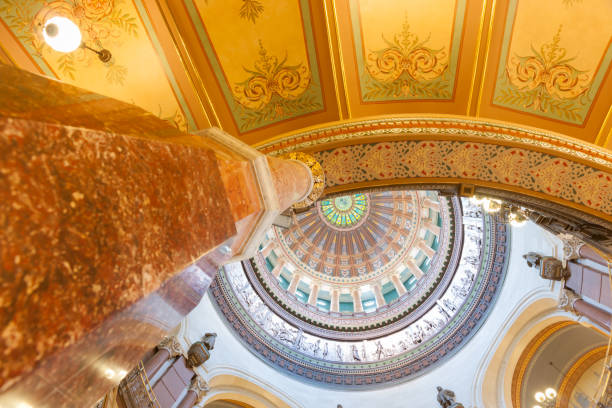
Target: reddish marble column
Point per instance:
(594, 313)
(153, 364)
(188, 400)
(587, 252)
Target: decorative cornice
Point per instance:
(453, 128)
(524, 161)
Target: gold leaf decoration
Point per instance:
(251, 9)
(545, 79)
(406, 67)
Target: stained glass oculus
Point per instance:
(345, 211)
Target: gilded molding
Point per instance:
(527, 355)
(575, 372)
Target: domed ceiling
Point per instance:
(367, 288)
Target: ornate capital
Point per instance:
(200, 387)
(318, 177)
(171, 344)
(571, 246)
(567, 298)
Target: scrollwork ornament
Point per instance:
(200, 387)
(171, 344)
(571, 246)
(567, 299)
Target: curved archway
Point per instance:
(493, 381)
(239, 389)
(504, 158)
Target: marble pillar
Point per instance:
(427, 250)
(380, 300)
(571, 302)
(414, 268)
(397, 283)
(429, 203)
(335, 300)
(314, 293)
(278, 269)
(295, 280)
(260, 188)
(196, 392)
(429, 225)
(114, 224)
(587, 252)
(358, 306)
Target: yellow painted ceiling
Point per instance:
(262, 68)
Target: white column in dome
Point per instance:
(414, 268)
(399, 286)
(335, 300)
(314, 293)
(267, 250)
(429, 203)
(295, 279)
(279, 267)
(429, 225)
(426, 249)
(357, 301)
(380, 300)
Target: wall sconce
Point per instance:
(63, 35)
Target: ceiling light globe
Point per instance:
(550, 393)
(61, 34)
(540, 397)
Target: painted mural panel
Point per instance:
(263, 57)
(407, 51)
(136, 73)
(555, 54)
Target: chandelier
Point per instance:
(506, 212)
(547, 399)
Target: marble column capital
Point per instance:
(172, 344)
(571, 246)
(200, 387)
(567, 299)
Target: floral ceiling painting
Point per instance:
(406, 55)
(263, 57)
(557, 71)
(121, 26)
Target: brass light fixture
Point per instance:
(548, 398)
(508, 213)
(63, 35)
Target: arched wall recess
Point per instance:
(525, 165)
(234, 384)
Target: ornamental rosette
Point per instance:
(96, 9)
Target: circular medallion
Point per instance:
(345, 211)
